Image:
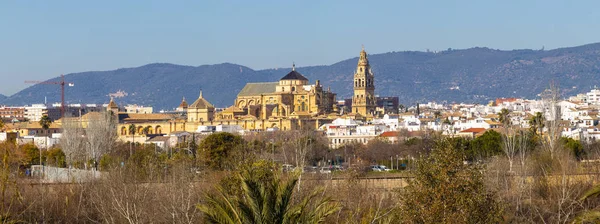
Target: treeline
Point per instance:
(227, 178)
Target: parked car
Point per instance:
(325, 169)
(384, 168)
(338, 168)
(379, 168)
(376, 168)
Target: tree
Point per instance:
(574, 146)
(536, 123)
(131, 130)
(487, 145)
(45, 122)
(503, 116)
(55, 156)
(101, 135)
(31, 154)
(265, 199)
(71, 140)
(551, 139)
(437, 114)
(510, 138)
(146, 130)
(590, 216)
(445, 190)
(218, 148)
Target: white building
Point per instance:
(346, 131)
(391, 122)
(35, 112)
(593, 96)
(135, 109)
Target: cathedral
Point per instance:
(292, 97)
(292, 103)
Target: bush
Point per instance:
(445, 190)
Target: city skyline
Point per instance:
(43, 40)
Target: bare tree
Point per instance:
(72, 141)
(101, 134)
(302, 144)
(509, 138)
(550, 140)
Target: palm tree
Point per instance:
(146, 130)
(537, 123)
(132, 133)
(589, 216)
(265, 201)
(503, 116)
(437, 114)
(45, 122)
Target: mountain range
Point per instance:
(474, 75)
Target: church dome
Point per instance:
(294, 75)
(201, 103)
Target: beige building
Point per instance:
(200, 111)
(292, 97)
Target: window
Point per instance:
(293, 88)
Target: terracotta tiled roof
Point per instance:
(201, 103)
(232, 109)
(491, 116)
(183, 103)
(473, 130)
(35, 125)
(492, 122)
(112, 104)
(145, 117)
(388, 134)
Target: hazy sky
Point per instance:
(42, 39)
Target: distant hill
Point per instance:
(2, 97)
(474, 75)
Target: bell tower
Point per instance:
(363, 100)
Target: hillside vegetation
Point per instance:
(474, 75)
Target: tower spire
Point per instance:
(364, 100)
(200, 94)
(293, 66)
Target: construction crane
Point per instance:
(62, 90)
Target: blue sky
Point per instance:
(42, 39)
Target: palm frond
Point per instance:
(594, 192)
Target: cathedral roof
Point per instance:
(201, 103)
(294, 75)
(257, 88)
